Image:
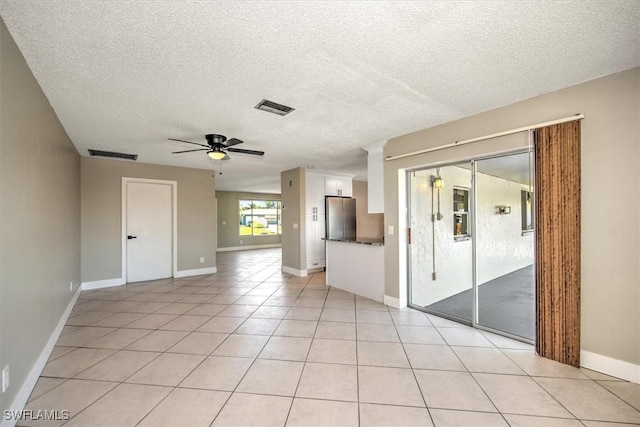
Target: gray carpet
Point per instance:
(506, 303)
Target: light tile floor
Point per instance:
(251, 346)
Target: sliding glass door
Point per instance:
(504, 245)
(441, 246)
(471, 249)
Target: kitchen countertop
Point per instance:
(359, 240)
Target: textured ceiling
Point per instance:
(125, 76)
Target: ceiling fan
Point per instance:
(217, 147)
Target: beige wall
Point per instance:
(294, 254)
(367, 225)
(228, 233)
(102, 213)
(610, 298)
(39, 220)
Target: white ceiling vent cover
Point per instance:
(274, 107)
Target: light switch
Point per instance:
(390, 230)
(295, 225)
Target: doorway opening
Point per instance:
(471, 254)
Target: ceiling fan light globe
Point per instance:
(216, 155)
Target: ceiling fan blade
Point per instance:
(189, 151)
(226, 157)
(188, 142)
(240, 150)
(232, 141)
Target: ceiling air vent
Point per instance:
(273, 107)
(113, 155)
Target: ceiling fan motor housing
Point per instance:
(213, 139)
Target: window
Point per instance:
(526, 209)
(259, 217)
(460, 213)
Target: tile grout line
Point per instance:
(304, 366)
(613, 393)
(475, 380)
(249, 368)
(469, 372)
(227, 283)
(532, 378)
(395, 326)
(231, 393)
(157, 356)
(140, 369)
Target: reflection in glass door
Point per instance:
(471, 246)
(440, 252)
(505, 245)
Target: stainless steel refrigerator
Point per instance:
(341, 218)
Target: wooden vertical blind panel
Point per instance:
(557, 194)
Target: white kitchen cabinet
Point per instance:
(338, 186)
(318, 185)
(314, 194)
(315, 225)
(315, 220)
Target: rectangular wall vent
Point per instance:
(113, 155)
(274, 107)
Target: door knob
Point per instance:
(132, 237)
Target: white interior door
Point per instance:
(149, 231)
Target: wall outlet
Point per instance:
(201, 260)
(240, 241)
(5, 378)
(224, 222)
(390, 230)
(295, 225)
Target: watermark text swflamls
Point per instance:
(37, 415)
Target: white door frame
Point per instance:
(174, 221)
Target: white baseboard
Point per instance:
(195, 272)
(246, 248)
(392, 302)
(30, 382)
(610, 366)
(99, 284)
(295, 272)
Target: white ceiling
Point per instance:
(125, 76)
